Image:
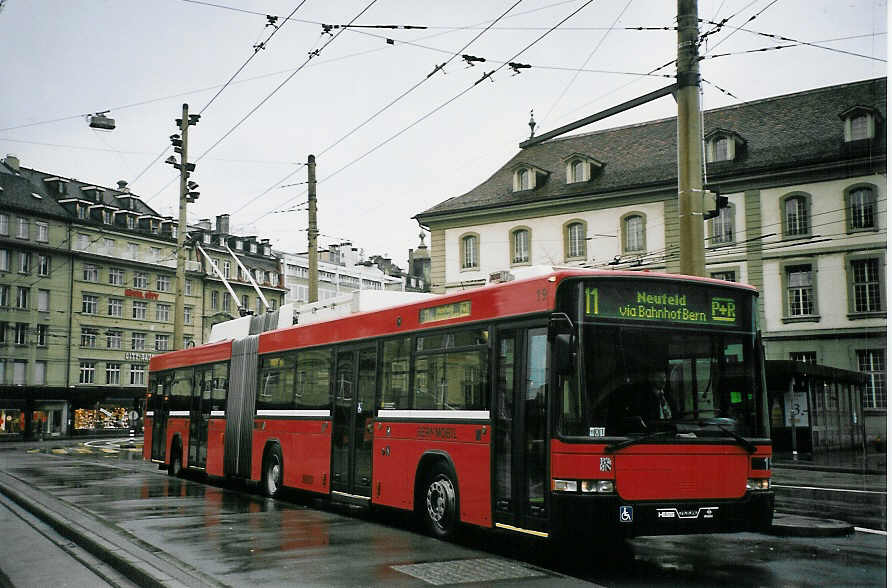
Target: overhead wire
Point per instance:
(241, 121)
(405, 93)
(417, 121)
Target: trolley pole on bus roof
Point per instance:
(312, 230)
(690, 137)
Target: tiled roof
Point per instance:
(18, 194)
(779, 132)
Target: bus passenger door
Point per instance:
(159, 406)
(199, 415)
(520, 449)
(353, 415)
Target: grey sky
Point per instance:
(63, 58)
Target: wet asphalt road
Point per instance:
(237, 538)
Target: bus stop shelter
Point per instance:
(823, 405)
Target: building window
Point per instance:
(90, 304)
(4, 224)
(140, 310)
(138, 374)
(800, 291)
(238, 244)
(4, 295)
(215, 300)
(42, 332)
(109, 245)
(83, 241)
(253, 247)
(246, 302)
(112, 373)
(113, 339)
(860, 127)
(25, 262)
(43, 300)
(43, 265)
(470, 251)
(574, 240)
(258, 305)
(162, 342)
(861, 211)
(866, 285)
(4, 260)
(873, 363)
(39, 373)
(187, 315)
(88, 337)
(633, 234)
(520, 246)
(188, 287)
(131, 221)
(137, 341)
(21, 334)
(88, 372)
(720, 147)
(22, 294)
(23, 231)
(140, 280)
(162, 283)
(795, 215)
(226, 303)
(727, 275)
(116, 276)
(162, 312)
(91, 273)
(227, 267)
(43, 232)
(3, 326)
(577, 171)
(19, 367)
(115, 307)
(804, 356)
(859, 124)
(132, 250)
(722, 226)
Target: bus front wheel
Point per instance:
(272, 472)
(440, 508)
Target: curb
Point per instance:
(870, 471)
(108, 544)
(791, 525)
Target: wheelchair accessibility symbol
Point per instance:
(625, 514)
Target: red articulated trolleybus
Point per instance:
(609, 403)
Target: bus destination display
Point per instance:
(665, 304)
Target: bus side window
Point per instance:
(395, 372)
(311, 382)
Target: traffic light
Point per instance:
(713, 202)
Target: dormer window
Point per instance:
(581, 168)
(222, 241)
(57, 186)
(107, 217)
(238, 244)
(253, 247)
(723, 145)
(528, 177)
(860, 123)
(206, 238)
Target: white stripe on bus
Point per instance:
(150, 413)
(178, 413)
(473, 415)
(218, 413)
(294, 413)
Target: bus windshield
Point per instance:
(635, 381)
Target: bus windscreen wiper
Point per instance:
(750, 448)
(629, 442)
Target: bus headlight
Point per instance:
(599, 486)
(758, 484)
(564, 485)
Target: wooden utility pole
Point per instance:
(312, 230)
(690, 137)
(179, 302)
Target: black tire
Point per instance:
(175, 467)
(439, 502)
(271, 480)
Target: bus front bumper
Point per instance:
(609, 516)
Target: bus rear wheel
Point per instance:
(440, 507)
(271, 482)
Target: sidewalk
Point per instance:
(847, 461)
